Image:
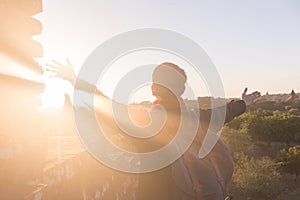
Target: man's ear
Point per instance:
(153, 89)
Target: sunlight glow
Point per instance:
(53, 95)
(12, 68)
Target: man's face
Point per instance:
(168, 81)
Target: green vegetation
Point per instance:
(280, 105)
(269, 126)
(290, 160)
(256, 178)
(265, 142)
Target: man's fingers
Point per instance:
(56, 75)
(52, 72)
(256, 94)
(58, 63)
(68, 61)
(244, 93)
(53, 76)
(51, 69)
(53, 66)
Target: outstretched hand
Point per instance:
(250, 98)
(63, 71)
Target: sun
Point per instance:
(55, 89)
(53, 94)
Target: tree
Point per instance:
(237, 141)
(292, 126)
(290, 160)
(264, 129)
(255, 178)
(266, 126)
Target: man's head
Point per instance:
(168, 81)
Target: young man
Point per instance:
(190, 178)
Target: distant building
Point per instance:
(292, 96)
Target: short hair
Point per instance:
(168, 80)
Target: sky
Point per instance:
(254, 44)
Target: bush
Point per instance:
(255, 178)
(266, 126)
(290, 160)
(237, 140)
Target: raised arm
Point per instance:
(133, 119)
(250, 98)
(233, 108)
(66, 72)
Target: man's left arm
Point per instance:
(230, 110)
(234, 109)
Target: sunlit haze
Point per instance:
(252, 43)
